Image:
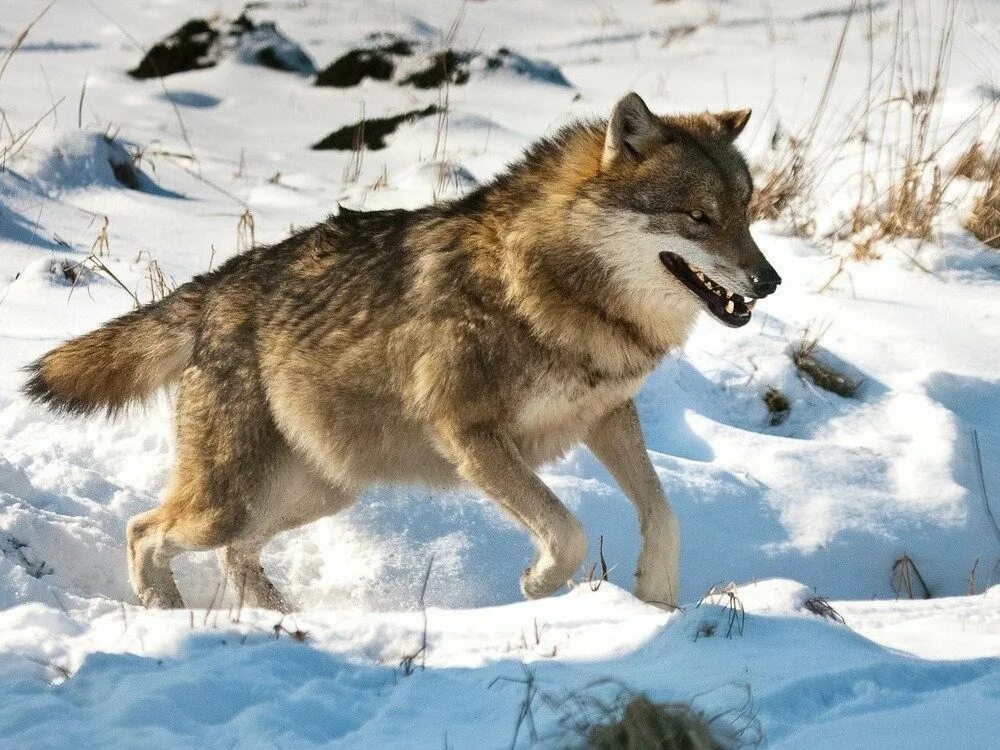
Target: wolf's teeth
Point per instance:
(700, 275)
(748, 300)
(729, 295)
(695, 268)
(730, 307)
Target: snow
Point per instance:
(822, 504)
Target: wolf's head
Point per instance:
(672, 201)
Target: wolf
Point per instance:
(467, 342)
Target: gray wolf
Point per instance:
(466, 342)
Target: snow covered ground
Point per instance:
(822, 504)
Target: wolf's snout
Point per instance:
(765, 281)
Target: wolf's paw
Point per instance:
(541, 580)
(545, 577)
(158, 600)
(658, 593)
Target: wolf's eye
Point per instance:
(699, 216)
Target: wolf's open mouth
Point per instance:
(732, 309)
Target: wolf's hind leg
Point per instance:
(227, 445)
(149, 552)
(294, 495)
(241, 563)
(490, 459)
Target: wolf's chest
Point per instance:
(570, 405)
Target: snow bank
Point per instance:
(207, 679)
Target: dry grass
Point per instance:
(820, 372)
(906, 579)
(983, 220)
(783, 184)
(643, 723)
(246, 232)
(352, 169)
(595, 579)
(102, 243)
(726, 596)
(976, 163)
(628, 719)
(820, 605)
(902, 182)
(787, 179)
(160, 285)
(20, 38)
(382, 183)
(778, 405)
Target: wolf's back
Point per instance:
(124, 361)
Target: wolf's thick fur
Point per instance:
(469, 341)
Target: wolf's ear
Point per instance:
(733, 121)
(633, 131)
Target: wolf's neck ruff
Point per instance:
(541, 229)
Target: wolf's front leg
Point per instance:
(489, 459)
(617, 442)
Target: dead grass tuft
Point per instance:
(160, 285)
(983, 220)
(905, 575)
(902, 184)
(783, 184)
(787, 179)
(819, 605)
(726, 596)
(778, 405)
(820, 372)
(643, 723)
(594, 580)
(975, 163)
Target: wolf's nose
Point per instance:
(764, 282)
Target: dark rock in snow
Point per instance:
(370, 133)
(376, 62)
(381, 61)
(456, 67)
(200, 44)
(188, 48)
(448, 66)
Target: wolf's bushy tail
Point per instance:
(123, 362)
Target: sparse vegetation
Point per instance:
(906, 579)
(643, 723)
(821, 372)
(726, 596)
(984, 218)
(903, 183)
(821, 606)
(370, 133)
(778, 405)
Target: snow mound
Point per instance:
(446, 179)
(87, 159)
(265, 45)
(203, 43)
